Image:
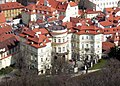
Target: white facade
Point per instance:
(60, 41)
(8, 57)
(10, 0)
(39, 56)
(71, 11)
(99, 5)
(92, 15)
(4, 1)
(5, 60)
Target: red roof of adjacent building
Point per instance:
(37, 37)
(10, 5)
(6, 40)
(72, 4)
(2, 18)
(5, 29)
(107, 46)
(106, 23)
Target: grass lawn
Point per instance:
(99, 65)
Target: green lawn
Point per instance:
(99, 65)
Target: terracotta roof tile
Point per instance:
(2, 18)
(7, 40)
(106, 23)
(107, 46)
(72, 4)
(11, 5)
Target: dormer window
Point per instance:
(41, 44)
(44, 40)
(98, 31)
(26, 36)
(32, 42)
(87, 31)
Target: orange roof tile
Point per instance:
(107, 46)
(7, 40)
(10, 5)
(106, 23)
(2, 18)
(72, 4)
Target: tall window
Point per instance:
(55, 40)
(41, 59)
(82, 37)
(55, 49)
(63, 40)
(82, 45)
(86, 45)
(58, 40)
(59, 49)
(86, 37)
(63, 48)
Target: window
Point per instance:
(107, 3)
(91, 37)
(104, 4)
(110, 3)
(41, 50)
(59, 49)
(41, 59)
(98, 46)
(55, 49)
(63, 40)
(82, 45)
(82, 37)
(63, 48)
(86, 37)
(54, 40)
(86, 45)
(58, 40)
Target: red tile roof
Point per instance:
(10, 5)
(7, 40)
(36, 37)
(106, 23)
(2, 18)
(72, 4)
(111, 30)
(5, 29)
(107, 46)
(42, 30)
(88, 30)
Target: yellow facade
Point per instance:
(10, 14)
